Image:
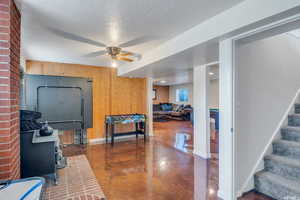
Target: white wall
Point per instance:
(267, 79)
(213, 100)
(172, 93)
(213, 93)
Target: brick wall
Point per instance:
(9, 90)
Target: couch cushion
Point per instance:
(176, 114)
(156, 107)
(167, 107)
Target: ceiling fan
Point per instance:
(115, 52)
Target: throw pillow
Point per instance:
(180, 108)
(175, 107)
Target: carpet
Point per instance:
(76, 182)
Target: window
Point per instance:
(182, 95)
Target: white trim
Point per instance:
(267, 27)
(117, 139)
(227, 47)
(220, 194)
(247, 185)
(149, 106)
(293, 35)
(201, 112)
(226, 132)
(269, 144)
(212, 63)
(206, 156)
(97, 141)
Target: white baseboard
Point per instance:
(117, 139)
(239, 193)
(221, 194)
(201, 155)
(150, 134)
(97, 141)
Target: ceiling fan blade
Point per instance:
(96, 53)
(123, 59)
(128, 53)
(75, 37)
(136, 41)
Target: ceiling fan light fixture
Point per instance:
(114, 64)
(115, 52)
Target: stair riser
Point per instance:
(297, 109)
(282, 169)
(294, 121)
(273, 190)
(286, 150)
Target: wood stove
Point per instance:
(40, 155)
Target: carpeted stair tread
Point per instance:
(286, 142)
(283, 159)
(292, 128)
(291, 133)
(276, 186)
(287, 148)
(283, 166)
(280, 178)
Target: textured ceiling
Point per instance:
(185, 77)
(109, 22)
(177, 69)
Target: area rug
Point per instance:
(76, 182)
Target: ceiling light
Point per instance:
(114, 64)
(211, 73)
(163, 81)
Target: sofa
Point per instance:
(167, 111)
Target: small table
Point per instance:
(111, 120)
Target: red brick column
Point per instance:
(10, 21)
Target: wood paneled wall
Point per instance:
(111, 94)
(162, 94)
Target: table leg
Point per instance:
(144, 131)
(136, 131)
(112, 134)
(106, 133)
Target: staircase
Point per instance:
(280, 178)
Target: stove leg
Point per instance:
(55, 178)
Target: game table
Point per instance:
(112, 120)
